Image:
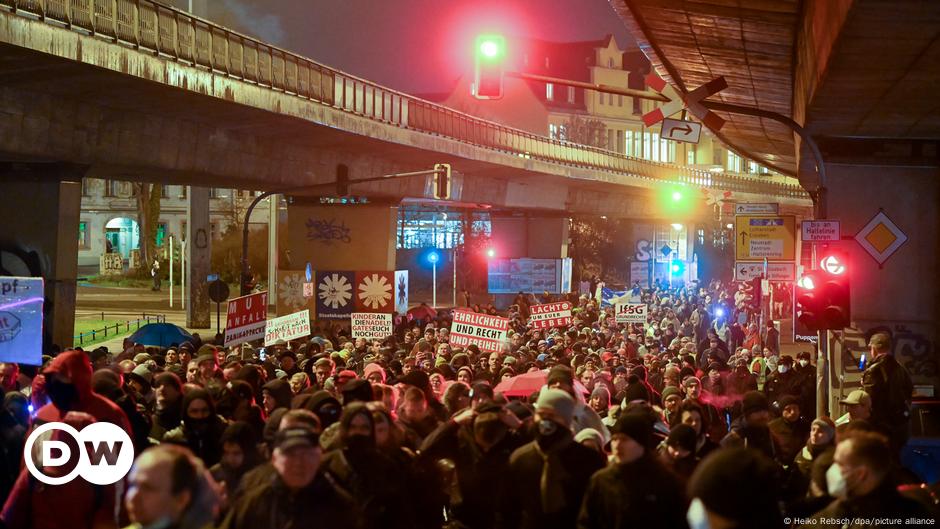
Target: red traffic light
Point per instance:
(833, 265)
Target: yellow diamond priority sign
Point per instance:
(881, 237)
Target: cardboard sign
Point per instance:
(371, 326)
(630, 313)
(245, 318)
(485, 331)
(550, 315)
(290, 327)
(21, 300)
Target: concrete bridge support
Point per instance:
(39, 238)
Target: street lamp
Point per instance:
(491, 253)
(433, 257)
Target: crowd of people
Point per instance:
(691, 419)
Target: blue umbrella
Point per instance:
(161, 334)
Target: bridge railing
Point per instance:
(168, 32)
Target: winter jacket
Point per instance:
(883, 503)
(75, 366)
(273, 506)
(521, 507)
(638, 494)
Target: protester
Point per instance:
(890, 387)
(168, 487)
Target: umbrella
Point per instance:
(161, 334)
(528, 383)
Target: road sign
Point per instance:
(218, 291)
(678, 130)
(666, 250)
(759, 237)
(752, 208)
(821, 231)
(881, 237)
(748, 270)
(691, 101)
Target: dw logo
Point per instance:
(105, 453)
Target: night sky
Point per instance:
(417, 46)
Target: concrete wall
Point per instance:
(901, 296)
(342, 237)
(538, 238)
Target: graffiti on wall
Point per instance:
(327, 231)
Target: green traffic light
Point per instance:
(491, 47)
(676, 196)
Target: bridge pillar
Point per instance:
(39, 238)
(198, 258)
(340, 237)
(535, 237)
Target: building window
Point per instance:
(109, 188)
(552, 131)
(83, 235)
(213, 193)
(637, 106)
(610, 62)
(716, 156)
(183, 190)
(183, 227)
(563, 132)
(752, 167)
(619, 100)
(571, 94)
(161, 233)
(619, 143)
(600, 96)
(549, 91)
(734, 163)
(85, 187)
(164, 191)
(690, 154)
(214, 230)
(628, 148)
(610, 140)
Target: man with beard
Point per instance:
(168, 404)
(548, 476)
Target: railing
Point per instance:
(169, 32)
(93, 335)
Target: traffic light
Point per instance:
(823, 298)
(342, 180)
(755, 294)
(442, 181)
(676, 267)
(489, 54)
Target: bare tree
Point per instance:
(148, 217)
(592, 132)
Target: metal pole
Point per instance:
(273, 217)
(455, 276)
(434, 284)
(183, 274)
(171, 270)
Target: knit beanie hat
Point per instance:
(558, 401)
(754, 401)
(373, 368)
(669, 391)
(825, 423)
(561, 374)
(729, 474)
(682, 436)
(636, 426)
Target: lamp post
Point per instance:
(433, 257)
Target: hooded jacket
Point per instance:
(280, 391)
(76, 368)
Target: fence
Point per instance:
(171, 33)
(115, 329)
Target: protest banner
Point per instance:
(245, 318)
(549, 315)
(21, 300)
(371, 325)
(290, 327)
(630, 312)
(485, 331)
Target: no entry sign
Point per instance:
(484, 331)
(245, 318)
(549, 315)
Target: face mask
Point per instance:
(835, 482)
(197, 425)
(359, 443)
(804, 363)
(782, 369)
(550, 434)
(697, 516)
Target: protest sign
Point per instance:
(290, 327)
(485, 331)
(630, 313)
(245, 318)
(21, 300)
(371, 325)
(549, 315)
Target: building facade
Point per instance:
(108, 219)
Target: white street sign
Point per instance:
(678, 130)
(749, 208)
(747, 270)
(821, 230)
